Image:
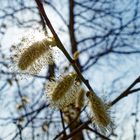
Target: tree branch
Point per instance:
(126, 92)
(61, 46)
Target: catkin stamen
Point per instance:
(31, 54)
(99, 110)
(63, 92)
(63, 86)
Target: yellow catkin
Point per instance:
(25, 100)
(63, 86)
(63, 92)
(99, 110)
(45, 126)
(79, 103)
(20, 106)
(20, 121)
(76, 55)
(31, 54)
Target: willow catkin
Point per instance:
(62, 92)
(31, 54)
(20, 106)
(76, 55)
(30, 59)
(25, 99)
(100, 114)
(45, 126)
(63, 86)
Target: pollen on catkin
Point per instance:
(31, 57)
(62, 92)
(100, 115)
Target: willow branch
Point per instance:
(60, 45)
(126, 92)
(63, 124)
(84, 126)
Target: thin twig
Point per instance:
(126, 92)
(63, 124)
(97, 133)
(70, 123)
(61, 46)
(85, 126)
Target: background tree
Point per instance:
(106, 34)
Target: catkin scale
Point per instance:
(31, 54)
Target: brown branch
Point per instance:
(70, 123)
(73, 41)
(84, 126)
(126, 92)
(60, 45)
(63, 124)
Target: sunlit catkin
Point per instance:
(45, 126)
(76, 55)
(31, 55)
(100, 115)
(20, 106)
(25, 100)
(63, 91)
